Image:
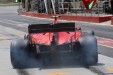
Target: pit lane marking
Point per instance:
(20, 35)
(105, 42)
(3, 37)
(56, 74)
(65, 73)
(12, 22)
(109, 69)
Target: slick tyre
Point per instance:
(18, 53)
(26, 36)
(88, 53)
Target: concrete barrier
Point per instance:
(112, 21)
(93, 19)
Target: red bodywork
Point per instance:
(60, 38)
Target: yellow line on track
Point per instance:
(64, 73)
(3, 37)
(109, 69)
(20, 35)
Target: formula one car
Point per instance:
(56, 38)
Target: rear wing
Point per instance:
(60, 27)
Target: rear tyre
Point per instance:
(18, 53)
(26, 36)
(88, 54)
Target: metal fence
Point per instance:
(66, 7)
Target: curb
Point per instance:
(112, 21)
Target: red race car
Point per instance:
(54, 39)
